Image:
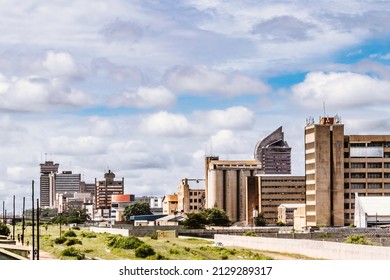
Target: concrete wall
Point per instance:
(311, 248)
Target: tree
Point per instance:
(215, 217)
(136, 209)
(209, 216)
(260, 220)
(194, 220)
(4, 230)
(72, 216)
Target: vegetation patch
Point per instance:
(358, 239)
(123, 242)
(73, 252)
(144, 251)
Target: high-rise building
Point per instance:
(46, 169)
(274, 153)
(338, 166)
(324, 169)
(63, 183)
(105, 189)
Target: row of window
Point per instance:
(366, 186)
(368, 175)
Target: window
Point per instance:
(374, 165)
(346, 205)
(358, 175)
(374, 185)
(374, 175)
(358, 186)
(358, 165)
(346, 195)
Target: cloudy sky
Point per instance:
(148, 88)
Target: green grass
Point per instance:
(94, 246)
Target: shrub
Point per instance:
(144, 251)
(88, 234)
(122, 242)
(4, 230)
(173, 251)
(76, 228)
(70, 233)
(73, 252)
(357, 239)
(73, 241)
(60, 240)
(250, 233)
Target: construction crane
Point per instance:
(196, 180)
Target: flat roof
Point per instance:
(375, 205)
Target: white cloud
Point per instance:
(165, 124)
(204, 80)
(82, 145)
(145, 97)
(340, 90)
(226, 142)
(60, 64)
(237, 117)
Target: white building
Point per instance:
(372, 211)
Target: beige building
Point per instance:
(104, 191)
(324, 168)
(339, 165)
(286, 213)
(265, 193)
(190, 200)
(170, 204)
(226, 185)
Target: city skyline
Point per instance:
(148, 88)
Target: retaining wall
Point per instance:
(311, 248)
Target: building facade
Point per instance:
(324, 169)
(226, 185)
(274, 153)
(170, 204)
(46, 169)
(190, 200)
(265, 193)
(104, 190)
(338, 166)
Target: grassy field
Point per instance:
(95, 246)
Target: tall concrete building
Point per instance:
(105, 189)
(226, 185)
(47, 168)
(338, 166)
(274, 153)
(324, 169)
(63, 183)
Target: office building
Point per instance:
(46, 169)
(338, 166)
(190, 200)
(265, 193)
(104, 191)
(63, 183)
(274, 153)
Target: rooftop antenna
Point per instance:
(324, 108)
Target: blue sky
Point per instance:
(148, 88)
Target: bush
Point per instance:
(73, 252)
(250, 233)
(122, 242)
(76, 228)
(4, 230)
(60, 240)
(88, 234)
(357, 239)
(70, 233)
(144, 251)
(73, 241)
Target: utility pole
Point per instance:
(13, 219)
(23, 221)
(37, 228)
(32, 217)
